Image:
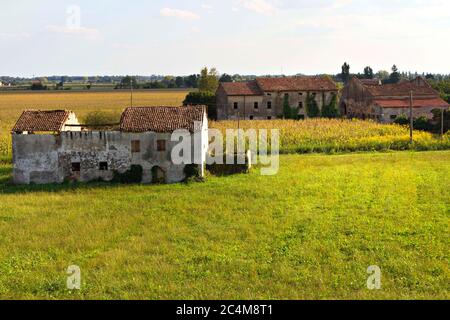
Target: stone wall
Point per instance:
(45, 159)
(270, 104)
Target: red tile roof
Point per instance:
(371, 82)
(297, 84)
(249, 88)
(161, 119)
(417, 103)
(41, 121)
(402, 89)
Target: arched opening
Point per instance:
(158, 175)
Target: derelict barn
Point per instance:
(51, 147)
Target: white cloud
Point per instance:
(207, 6)
(89, 33)
(179, 14)
(19, 35)
(258, 6)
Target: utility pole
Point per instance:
(442, 123)
(411, 119)
(131, 90)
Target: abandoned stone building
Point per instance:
(52, 147)
(263, 98)
(384, 103)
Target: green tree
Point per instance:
(345, 74)
(382, 75)
(331, 110)
(179, 82)
(209, 80)
(368, 73)
(204, 98)
(128, 81)
(395, 76)
(226, 78)
(312, 108)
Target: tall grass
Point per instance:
(332, 136)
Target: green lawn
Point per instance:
(309, 232)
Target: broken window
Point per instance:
(256, 105)
(135, 146)
(161, 145)
(103, 166)
(269, 118)
(269, 104)
(300, 105)
(236, 106)
(76, 167)
(251, 117)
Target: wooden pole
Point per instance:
(411, 119)
(131, 91)
(442, 123)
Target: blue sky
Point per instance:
(176, 37)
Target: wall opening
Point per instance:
(158, 175)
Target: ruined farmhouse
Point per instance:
(264, 98)
(53, 147)
(369, 99)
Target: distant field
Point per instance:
(309, 232)
(311, 136)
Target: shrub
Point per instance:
(100, 119)
(402, 120)
(134, 175)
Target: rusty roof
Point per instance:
(161, 119)
(417, 103)
(418, 87)
(317, 83)
(249, 88)
(41, 121)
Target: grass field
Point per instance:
(309, 232)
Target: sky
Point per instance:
(174, 37)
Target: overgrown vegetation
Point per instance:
(312, 108)
(134, 175)
(101, 120)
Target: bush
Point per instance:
(423, 124)
(101, 119)
(402, 120)
(203, 98)
(134, 175)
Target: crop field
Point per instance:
(311, 136)
(309, 232)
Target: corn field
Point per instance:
(335, 136)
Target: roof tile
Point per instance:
(41, 121)
(161, 119)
